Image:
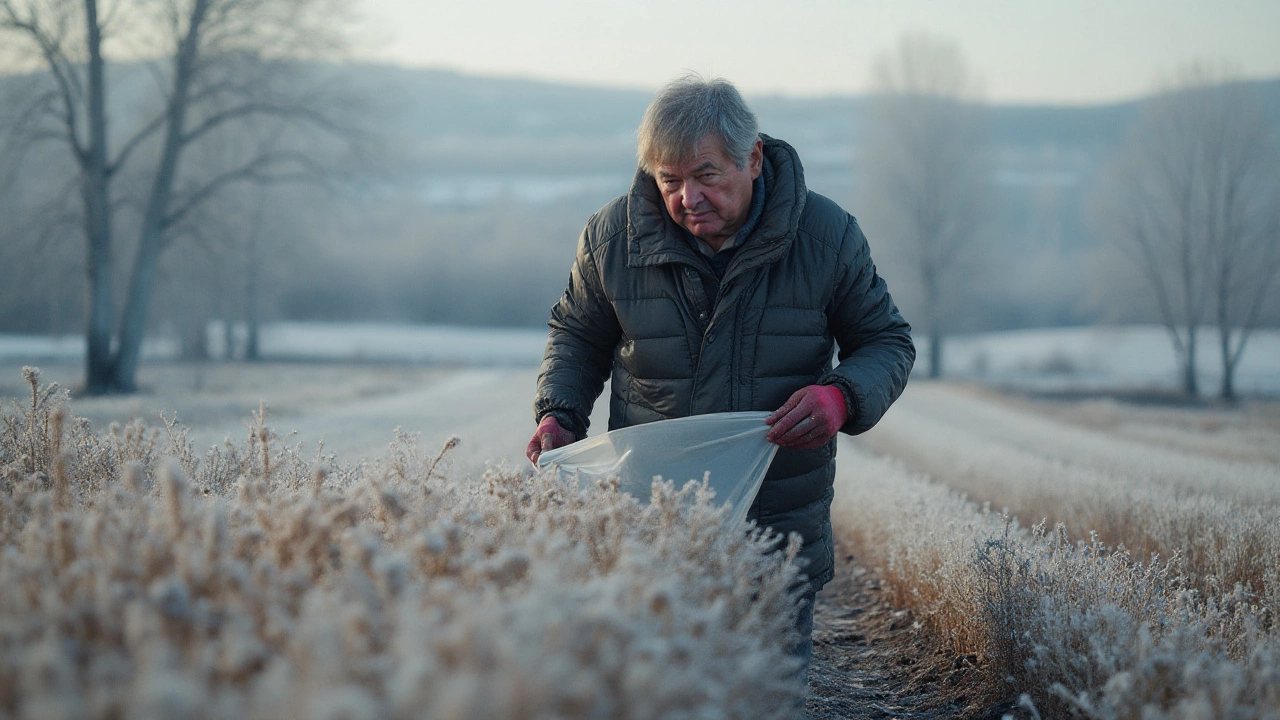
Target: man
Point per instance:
(720, 283)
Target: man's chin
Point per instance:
(703, 229)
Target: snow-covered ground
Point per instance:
(1102, 358)
(328, 342)
(403, 343)
(1087, 358)
(35, 349)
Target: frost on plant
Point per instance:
(138, 579)
(1083, 629)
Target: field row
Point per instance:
(1062, 611)
(1081, 628)
(1220, 517)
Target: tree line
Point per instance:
(222, 69)
(1190, 202)
(228, 175)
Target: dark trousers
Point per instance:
(803, 649)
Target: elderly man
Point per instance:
(721, 283)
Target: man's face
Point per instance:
(708, 194)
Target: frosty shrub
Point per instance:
(138, 580)
(1082, 627)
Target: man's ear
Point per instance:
(755, 161)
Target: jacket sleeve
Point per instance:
(875, 348)
(579, 354)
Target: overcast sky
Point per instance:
(1057, 51)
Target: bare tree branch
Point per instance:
(63, 71)
(249, 109)
(266, 169)
(143, 134)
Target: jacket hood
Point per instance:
(653, 238)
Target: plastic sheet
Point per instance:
(729, 449)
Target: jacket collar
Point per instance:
(653, 238)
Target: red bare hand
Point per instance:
(811, 416)
(548, 436)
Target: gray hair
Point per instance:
(685, 111)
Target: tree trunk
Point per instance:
(195, 339)
(929, 276)
(97, 219)
(133, 323)
(251, 312)
(251, 346)
(99, 295)
(1190, 384)
(228, 338)
(1229, 359)
(151, 241)
(935, 354)
(1228, 393)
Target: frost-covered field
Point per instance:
(1134, 574)
(1106, 572)
(144, 577)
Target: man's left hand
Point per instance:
(811, 416)
(548, 436)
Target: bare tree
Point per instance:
(1191, 200)
(225, 63)
(925, 170)
(236, 257)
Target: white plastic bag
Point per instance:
(728, 448)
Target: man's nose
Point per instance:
(692, 195)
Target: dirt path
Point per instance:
(872, 661)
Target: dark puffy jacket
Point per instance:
(800, 284)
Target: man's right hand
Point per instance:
(548, 436)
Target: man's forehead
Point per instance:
(708, 154)
(688, 166)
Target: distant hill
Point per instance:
(436, 107)
(441, 116)
(468, 211)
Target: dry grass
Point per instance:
(1080, 627)
(1225, 529)
(139, 580)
